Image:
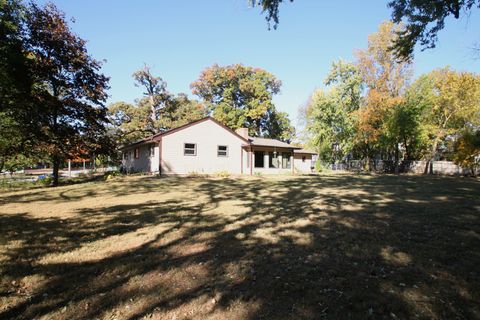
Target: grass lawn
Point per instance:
(305, 247)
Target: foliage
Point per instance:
(222, 174)
(467, 150)
(16, 162)
(155, 91)
(327, 123)
(270, 7)
(241, 96)
(277, 126)
(386, 80)
(450, 102)
(69, 90)
(371, 110)
(133, 122)
(424, 19)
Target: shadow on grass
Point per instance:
(298, 247)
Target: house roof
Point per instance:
(305, 151)
(255, 141)
(264, 142)
(158, 136)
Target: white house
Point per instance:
(207, 146)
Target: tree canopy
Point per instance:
(241, 96)
(370, 108)
(52, 91)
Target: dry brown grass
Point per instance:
(333, 246)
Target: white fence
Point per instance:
(418, 167)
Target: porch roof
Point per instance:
(265, 142)
(305, 151)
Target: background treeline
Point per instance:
(236, 95)
(371, 109)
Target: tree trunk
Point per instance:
(429, 165)
(152, 108)
(397, 154)
(56, 167)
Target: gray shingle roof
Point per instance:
(264, 142)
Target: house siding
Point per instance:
(303, 167)
(144, 162)
(207, 136)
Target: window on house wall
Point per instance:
(151, 150)
(273, 160)
(259, 160)
(190, 149)
(137, 153)
(286, 164)
(222, 151)
(304, 158)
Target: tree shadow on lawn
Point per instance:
(302, 247)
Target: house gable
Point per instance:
(157, 137)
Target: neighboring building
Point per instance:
(207, 146)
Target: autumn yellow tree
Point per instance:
(385, 79)
(452, 101)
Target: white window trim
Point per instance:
(226, 151)
(194, 149)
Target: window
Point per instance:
(259, 162)
(273, 160)
(304, 158)
(151, 150)
(286, 160)
(137, 153)
(222, 151)
(190, 149)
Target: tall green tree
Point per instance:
(330, 113)
(69, 88)
(239, 96)
(17, 110)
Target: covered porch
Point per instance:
(268, 160)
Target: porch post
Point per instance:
(241, 160)
(265, 160)
(69, 168)
(292, 159)
(251, 161)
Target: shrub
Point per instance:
(45, 179)
(111, 175)
(193, 174)
(223, 174)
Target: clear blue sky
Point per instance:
(180, 38)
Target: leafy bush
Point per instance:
(223, 174)
(193, 174)
(45, 179)
(111, 175)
